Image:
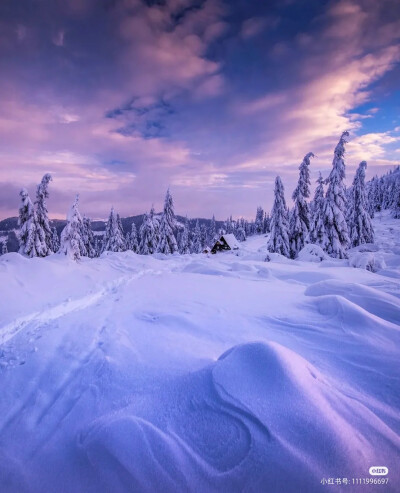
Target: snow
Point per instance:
(222, 373)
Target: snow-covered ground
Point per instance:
(199, 373)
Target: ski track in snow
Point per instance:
(37, 319)
(206, 375)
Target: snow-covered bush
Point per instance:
(367, 260)
(312, 253)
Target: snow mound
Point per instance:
(367, 260)
(381, 304)
(278, 258)
(312, 253)
(208, 269)
(259, 403)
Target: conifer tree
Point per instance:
(395, 203)
(241, 232)
(279, 236)
(335, 205)
(98, 247)
(132, 242)
(203, 236)
(267, 223)
(259, 223)
(184, 243)
(88, 238)
(4, 248)
(71, 236)
(121, 229)
(148, 234)
(360, 224)
(229, 225)
(30, 240)
(317, 233)
(114, 240)
(55, 241)
(167, 242)
(371, 197)
(196, 241)
(299, 226)
(43, 225)
(212, 233)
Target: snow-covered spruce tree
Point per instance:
(229, 225)
(299, 226)
(114, 240)
(212, 232)
(388, 194)
(196, 240)
(88, 238)
(184, 243)
(240, 233)
(317, 233)
(379, 193)
(204, 236)
(249, 227)
(279, 237)
(55, 240)
(371, 197)
(360, 224)
(71, 243)
(267, 223)
(167, 242)
(259, 223)
(335, 205)
(42, 193)
(4, 248)
(98, 246)
(157, 225)
(395, 203)
(121, 229)
(148, 234)
(30, 241)
(132, 242)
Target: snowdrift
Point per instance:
(195, 373)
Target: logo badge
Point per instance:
(378, 470)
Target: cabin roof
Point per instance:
(231, 241)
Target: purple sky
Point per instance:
(119, 99)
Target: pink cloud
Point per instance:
(170, 55)
(333, 80)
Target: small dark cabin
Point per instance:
(226, 242)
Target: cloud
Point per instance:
(166, 45)
(253, 26)
(58, 38)
(332, 80)
(192, 94)
(373, 147)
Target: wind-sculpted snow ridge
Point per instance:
(370, 299)
(196, 373)
(260, 419)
